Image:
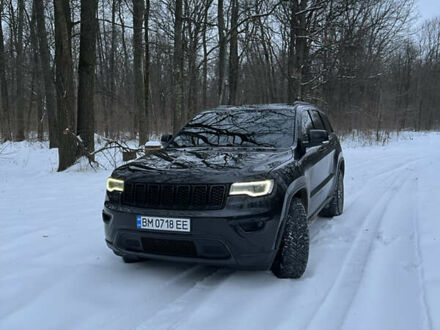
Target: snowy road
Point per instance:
(374, 267)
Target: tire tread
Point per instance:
(293, 254)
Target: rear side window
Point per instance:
(317, 122)
(326, 122)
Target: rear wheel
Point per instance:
(336, 204)
(293, 254)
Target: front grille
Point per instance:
(179, 248)
(174, 196)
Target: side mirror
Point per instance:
(317, 137)
(165, 139)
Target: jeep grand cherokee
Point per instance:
(236, 186)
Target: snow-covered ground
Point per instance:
(375, 267)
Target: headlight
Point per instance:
(253, 189)
(115, 185)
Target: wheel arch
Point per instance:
(297, 189)
(303, 196)
(342, 165)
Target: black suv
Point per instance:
(236, 186)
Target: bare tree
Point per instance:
(178, 67)
(112, 73)
(205, 54)
(297, 49)
(221, 52)
(138, 19)
(64, 84)
(86, 73)
(145, 118)
(233, 54)
(47, 74)
(5, 115)
(36, 77)
(19, 133)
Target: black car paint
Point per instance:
(247, 230)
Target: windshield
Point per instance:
(238, 128)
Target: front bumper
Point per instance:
(242, 235)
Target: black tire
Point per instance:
(130, 259)
(336, 205)
(293, 254)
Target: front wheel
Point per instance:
(293, 254)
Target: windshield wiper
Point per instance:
(139, 166)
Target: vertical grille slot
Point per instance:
(153, 194)
(139, 193)
(199, 195)
(167, 196)
(128, 193)
(217, 195)
(183, 196)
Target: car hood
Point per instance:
(203, 165)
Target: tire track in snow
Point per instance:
(346, 283)
(390, 272)
(177, 310)
(377, 178)
(155, 298)
(165, 294)
(420, 270)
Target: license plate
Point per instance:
(163, 224)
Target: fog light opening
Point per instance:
(252, 226)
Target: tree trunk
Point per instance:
(138, 18)
(36, 76)
(126, 60)
(178, 67)
(192, 101)
(47, 74)
(205, 57)
(112, 73)
(86, 74)
(297, 50)
(221, 52)
(291, 92)
(267, 65)
(5, 125)
(64, 84)
(233, 54)
(40, 115)
(101, 80)
(19, 133)
(143, 131)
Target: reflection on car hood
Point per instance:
(197, 161)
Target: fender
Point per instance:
(295, 187)
(297, 184)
